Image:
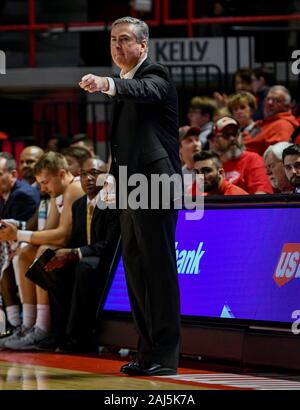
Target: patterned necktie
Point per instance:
(89, 216)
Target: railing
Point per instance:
(161, 17)
(190, 79)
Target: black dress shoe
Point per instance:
(146, 369)
(132, 368)
(155, 369)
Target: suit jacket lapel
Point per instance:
(118, 104)
(141, 67)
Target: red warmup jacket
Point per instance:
(277, 128)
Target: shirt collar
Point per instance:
(93, 201)
(131, 73)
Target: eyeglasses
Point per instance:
(290, 167)
(92, 172)
(275, 100)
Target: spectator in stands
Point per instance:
(18, 200)
(75, 157)
(261, 80)
(291, 163)
(79, 273)
(28, 158)
(275, 168)
(208, 164)
(58, 142)
(51, 172)
(278, 124)
(189, 146)
(217, 8)
(242, 107)
(200, 114)
(242, 82)
(82, 140)
(242, 168)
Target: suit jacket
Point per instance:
(144, 127)
(21, 203)
(105, 231)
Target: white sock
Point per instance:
(29, 315)
(13, 315)
(43, 317)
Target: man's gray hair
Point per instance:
(276, 149)
(284, 90)
(141, 29)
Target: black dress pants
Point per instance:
(148, 250)
(74, 296)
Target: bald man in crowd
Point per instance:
(28, 158)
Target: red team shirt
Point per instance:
(249, 173)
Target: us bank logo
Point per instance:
(188, 260)
(288, 266)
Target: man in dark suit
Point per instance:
(76, 276)
(144, 138)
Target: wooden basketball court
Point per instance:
(47, 371)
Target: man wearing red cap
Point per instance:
(242, 168)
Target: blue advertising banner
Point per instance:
(233, 263)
